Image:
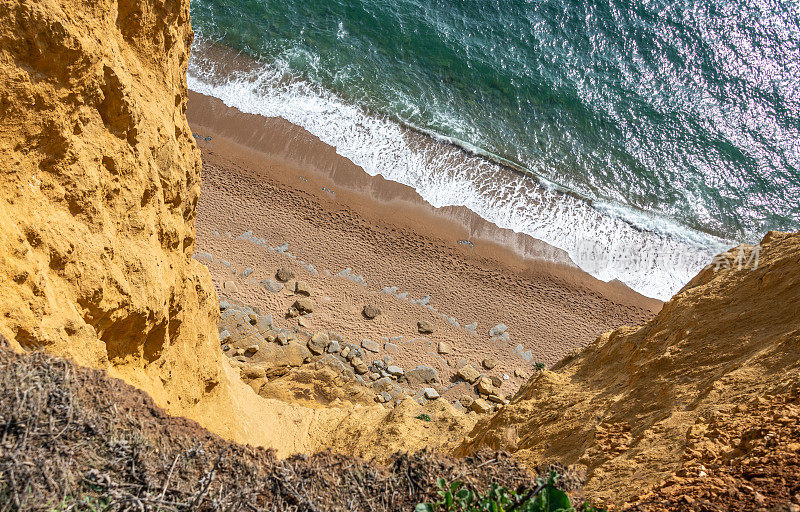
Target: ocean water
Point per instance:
(642, 137)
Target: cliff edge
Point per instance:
(707, 390)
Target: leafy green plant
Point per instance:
(539, 366)
(423, 417)
(545, 497)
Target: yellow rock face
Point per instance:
(623, 406)
(99, 186)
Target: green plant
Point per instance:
(85, 503)
(545, 497)
(539, 366)
(423, 417)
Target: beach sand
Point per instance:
(280, 183)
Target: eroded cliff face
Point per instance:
(640, 404)
(100, 178)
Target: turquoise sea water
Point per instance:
(674, 126)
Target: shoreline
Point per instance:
(280, 184)
(299, 151)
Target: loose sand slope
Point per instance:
(641, 403)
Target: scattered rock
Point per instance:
(424, 327)
(284, 275)
(252, 349)
(224, 336)
(430, 393)
(271, 285)
(283, 338)
(468, 373)
(497, 398)
(370, 345)
(444, 347)
(466, 401)
(471, 327)
(520, 373)
(394, 370)
(497, 330)
(370, 311)
(303, 322)
(489, 363)
(333, 347)
(318, 343)
(230, 287)
(496, 381)
(304, 305)
(302, 288)
(422, 374)
(506, 377)
(484, 386)
(361, 369)
(346, 352)
(480, 406)
(391, 348)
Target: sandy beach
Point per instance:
(359, 240)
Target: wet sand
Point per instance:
(271, 178)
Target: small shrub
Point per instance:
(546, 497)
(423, 417)
(539, 366)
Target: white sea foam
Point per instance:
(652, 255)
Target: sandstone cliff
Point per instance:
(99, 185)
(675, 394)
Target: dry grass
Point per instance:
(74, 439)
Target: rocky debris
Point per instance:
(466, 401)
(497, 398)
(394, 370)
(246, 272)
(473, 327)
(229, 287)
(430, 393)
(520, 374)
(370, 311)
(390, 348)
(284, 275)
(333, 347)
(484, 386)
(224, 336)
(318, 343)
(304, 305)
(203, 256)
(468, 373)
(444, 348)
(497, 330)
(422, 374)
(271, 285)
(303, 322)
(370, 345)
(302, 288)
(489, 363)
(480, 406)
(424, 327)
